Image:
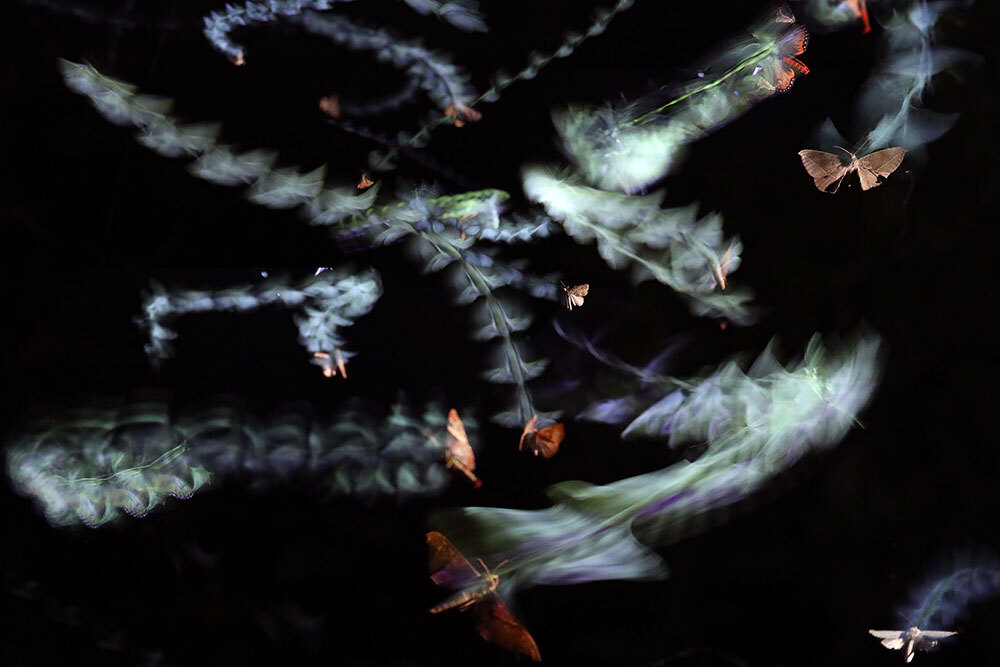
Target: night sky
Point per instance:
(240, 575)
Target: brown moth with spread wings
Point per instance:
(494, 622)
(828, 169)
(544, 441)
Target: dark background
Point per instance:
(281, 577)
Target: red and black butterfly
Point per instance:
(785, 65)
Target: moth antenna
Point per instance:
(846, 151)
(501, 564)
(485, 569)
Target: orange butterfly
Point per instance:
(545, 441)
(494, 622)
(458, 454)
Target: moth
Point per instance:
(544, 441)
(910, 640)
(723, 269)
(330, 365)
(458, 454)
(828, 169)
(330, 105)
(575, 294)
(784, 14)
(365, 182)
(494, 622)
(860, 9)
(460, 114)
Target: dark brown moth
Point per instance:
(911, 640)
(828, 169)
(494, 622)
(575, 294)
(458, 453)
(544, 441)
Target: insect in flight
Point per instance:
(541, 441)
(494, 622)
(785, 64)
(458, 453)
(860, 10)
(828, 169)
(330, 365)
(575, 294)
(723, 269)
(910, 640)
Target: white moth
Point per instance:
(910, 640)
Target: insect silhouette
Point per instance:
(828, 169)
(910, 640)
(575, 294)
(494, 622)
(541, 441)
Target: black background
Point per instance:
(236, 577)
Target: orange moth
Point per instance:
(541, 441)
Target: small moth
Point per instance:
(330, 105)
(460, 114)
(723, 269)
(828, 169)
(458, 454)
(331, 366)
(910, 640)
(541, 441)
(494, 622)
(575, 294)
(784, 14)
(365, 182)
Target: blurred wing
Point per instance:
(457, 441)
(794, 41)
(547, 440)
(825, 168)
(879, 164)
(579, 290)
(891, 639)
(936, 634)
(498, 626)
(446, 563)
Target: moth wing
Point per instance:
(825, 168)
(784, 14)
(445, 562)
(576, 300)
(936, 634)
(879, 164)
(784, 75)
(891, 639)
(529, 429)
(580, 290)
(548, 439)
(794, 41)
(498, 626)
